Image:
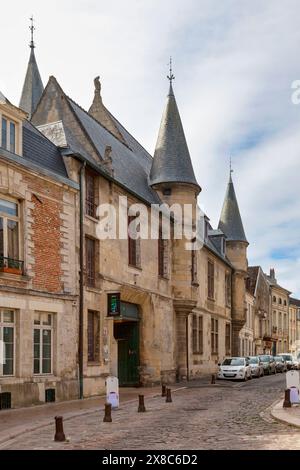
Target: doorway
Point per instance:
(127, 335)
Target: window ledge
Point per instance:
(163, 278)
(93, 219)
(96, 290)
(195, 284)
(15, 277)
(210, 299)
(135, 267)
(94, 364)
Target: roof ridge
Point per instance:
(148, 154)
(96, 120)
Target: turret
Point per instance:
(236, 250)
(33, 86)
(172, 176)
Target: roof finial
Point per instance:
(170, 76)
(32, 28)
(230, 168)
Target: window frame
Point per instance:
(94, 314)
(214, 336)
(7, 145)
(13, 326)
(41, 327)
(210, 279)
(134, 246)
(91, 199)
(197, 334)
(90, 267)
(15, 218)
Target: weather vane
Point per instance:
(32, 28)
(171, 76)
(230, 166)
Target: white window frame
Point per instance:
(8, 325)
(9, 121)
(5, 216)
(41, 328)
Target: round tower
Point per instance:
(172, 176)
(236, 250)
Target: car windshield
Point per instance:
(253, 360)
(234, 361)
(265, 358)
(278, 359)
(287, 357)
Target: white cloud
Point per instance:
(234, 63)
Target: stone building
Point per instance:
(259, 289)
(247, 344)
(148, 310)
(38, 301)
(279, 321)
(294, 325)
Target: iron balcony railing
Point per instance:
(11, 265)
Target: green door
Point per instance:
(128, 354)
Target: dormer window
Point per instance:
(8, 135)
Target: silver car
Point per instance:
(280, 364)
(257, 368)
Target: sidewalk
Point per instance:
(39, 416)
(289, 416)
(35, 417)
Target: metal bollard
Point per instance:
(59, 429)
(163, 391)
(107, 413)
(169, 397)
(141, 408)
(213, 379)
(287, 400)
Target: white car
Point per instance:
(235, 368)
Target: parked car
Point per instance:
(257, 368)
(281, 365)
(235, 368)
(288, 359)
(268, 364)
(296, 363)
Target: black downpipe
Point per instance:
(81, 281)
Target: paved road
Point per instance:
(200, 417)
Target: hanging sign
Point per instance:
(113, 304)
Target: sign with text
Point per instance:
(113, 304)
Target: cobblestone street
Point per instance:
(225, 416)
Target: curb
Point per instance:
(13, 436)
(280, 414)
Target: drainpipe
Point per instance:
(81, 281)
(187, 348)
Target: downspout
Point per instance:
(81, 281)
(187, 348)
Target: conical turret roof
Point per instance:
(172, 161)
(230, 221)
(33, 86)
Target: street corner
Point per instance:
(289, 416)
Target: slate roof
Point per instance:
(172, 161)
(253, 272)
(33, 86)
(131, 165)
(230, 221)
(295, 302)
(39, 150)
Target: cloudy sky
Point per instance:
(234, 62)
